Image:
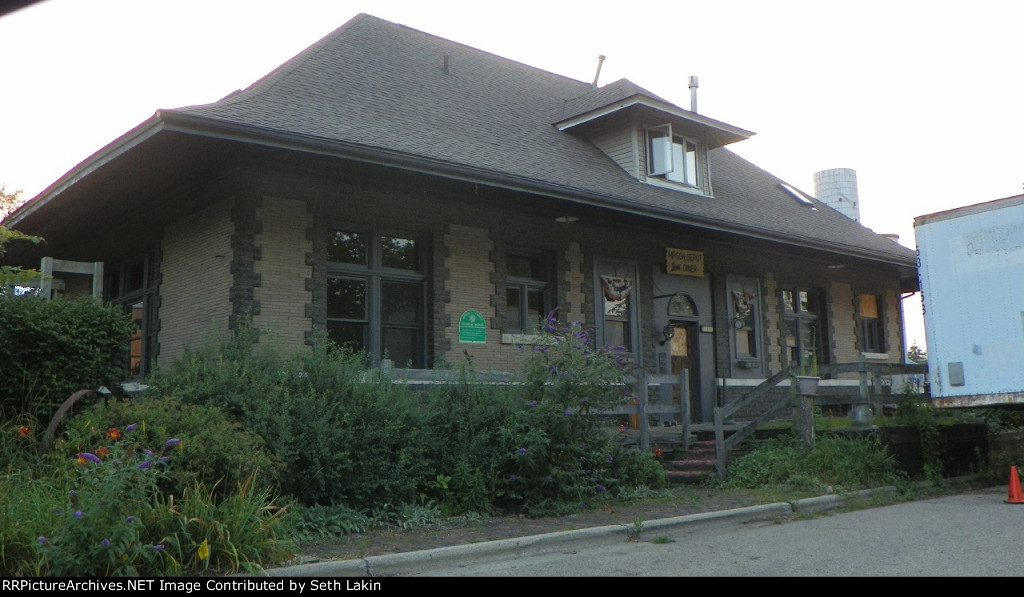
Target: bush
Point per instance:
(213, 451)
(834, 462)
(51, 349)
(343, 438)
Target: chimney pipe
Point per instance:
(600, 61)
(693, 94)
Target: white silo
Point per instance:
(837, 188)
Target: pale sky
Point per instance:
(921, 98)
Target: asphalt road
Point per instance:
(974, 534)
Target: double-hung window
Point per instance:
(617, 305)
(672, 156)
(129, 285)
(526, 291)
(376, 295)
(802, 321)
(869, 323)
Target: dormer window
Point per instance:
(672, 156)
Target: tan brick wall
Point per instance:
(772, 324)
(892, 320)
(195, 281)
(282, 295)
(843, 320)
(574, 279)
(469, 286)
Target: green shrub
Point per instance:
(343, 438)
(213, 451)
(835, 462)
(51, 349)
(98, 530)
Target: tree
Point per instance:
(9, 202)
(12, 275)
(917, 355)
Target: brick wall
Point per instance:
(283, 245)
(195, 281)
(468, 286)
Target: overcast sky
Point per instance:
(921, 98)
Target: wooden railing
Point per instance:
(761, 392)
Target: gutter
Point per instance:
(175, 121)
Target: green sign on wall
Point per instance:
(472, 328)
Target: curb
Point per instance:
(415, 561)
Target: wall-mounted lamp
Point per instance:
(666, 334)
(567, 219)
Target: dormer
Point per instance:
(654, 140)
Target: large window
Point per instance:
(617, 305)
(672, 156)
(802, 321)
(128, 285)
(744, 317)
(526, 291)
(869, 323)
(376, 295)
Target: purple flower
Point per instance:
(105, 543)
(164, 458)
(78, 513)
(602, 488)
(532, 403)
(610, 458)
(90, 457)
(521, 451)
(130, 519)
(567, 413)
(548, 479)
(147, 452)
(172, 442)
(512, 478)
(144, 465)
(131, 427)
(42, 539)
(159, 547)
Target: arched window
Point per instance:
(681, 305)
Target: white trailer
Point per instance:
(971, 272)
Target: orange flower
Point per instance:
(114, 433)
(657, 452)
(103, 451)
(23, 431)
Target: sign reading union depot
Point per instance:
(684, 263)
(472, 328)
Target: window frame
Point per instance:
(793, 311)
(117, 291)
(745, 316)
(631, 318)
(523, 286)
(871, 330)
(662, 156)
(375, 275)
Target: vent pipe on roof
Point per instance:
(446, 64)
(693, 94)
(600, 61)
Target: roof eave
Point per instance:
(725, 133)
(107, 154)
(176, 121)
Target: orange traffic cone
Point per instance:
(1015, 496)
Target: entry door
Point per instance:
(683, 357)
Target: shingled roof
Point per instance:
(383, 92)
